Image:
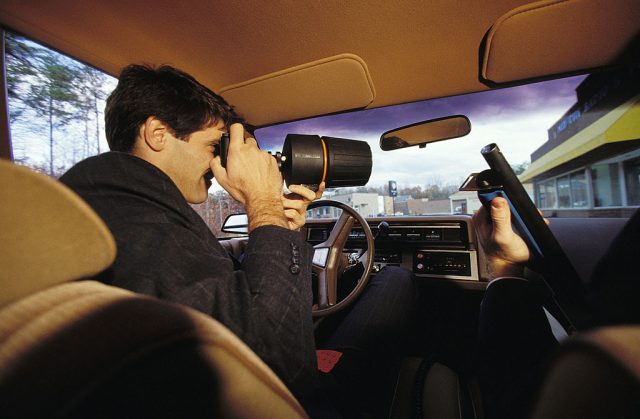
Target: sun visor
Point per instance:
(558, 36)
(320, 87)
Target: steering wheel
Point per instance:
(328, 255)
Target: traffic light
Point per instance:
(393, 188)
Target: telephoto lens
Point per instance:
(310, 159)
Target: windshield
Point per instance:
(573, 141)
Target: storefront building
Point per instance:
(590, 165)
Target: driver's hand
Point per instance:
(295, 204)
(506, 252)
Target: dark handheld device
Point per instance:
(224, 149)
(516, 220)
(548, 257)
(310, 160)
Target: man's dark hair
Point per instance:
(170, 95)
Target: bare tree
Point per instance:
(51, 96)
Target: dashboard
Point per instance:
(437, 247)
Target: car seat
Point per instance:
(590, 376)
(595, 375)
(73, 347)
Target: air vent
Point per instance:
(452, 235)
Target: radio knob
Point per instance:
(420, 266)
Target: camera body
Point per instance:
(310, 160)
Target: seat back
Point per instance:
(48, 234)
(596, 375)
(72, 347)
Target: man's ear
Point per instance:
(153, 133)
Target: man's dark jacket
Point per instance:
(166, 250)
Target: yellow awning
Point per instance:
(621, 124)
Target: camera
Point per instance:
(310, 159)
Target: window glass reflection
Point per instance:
(579, 196)
(550, 193)
(564, 192)
(632, 178)
(606, 185)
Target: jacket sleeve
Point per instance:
(277, 265)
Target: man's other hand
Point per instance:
(296, 203)
(506, 252)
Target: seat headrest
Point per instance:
(48, 235)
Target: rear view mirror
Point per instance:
(425, 132)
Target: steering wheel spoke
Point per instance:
(327, 289)
(340, 232)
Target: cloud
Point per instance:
(515, 118)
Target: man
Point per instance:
(163, 127)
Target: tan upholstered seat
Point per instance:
(47, 233)
(72, 347)
(596, 375)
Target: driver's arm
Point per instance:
(269, 308)
(513, 330)
(506, 252)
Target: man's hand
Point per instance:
(252, 177)
(506, 251)
(296, 203)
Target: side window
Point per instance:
(56, 106)
(56, 116)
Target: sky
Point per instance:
(515, 118)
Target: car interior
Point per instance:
(73, 347)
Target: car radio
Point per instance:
(445, 264)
